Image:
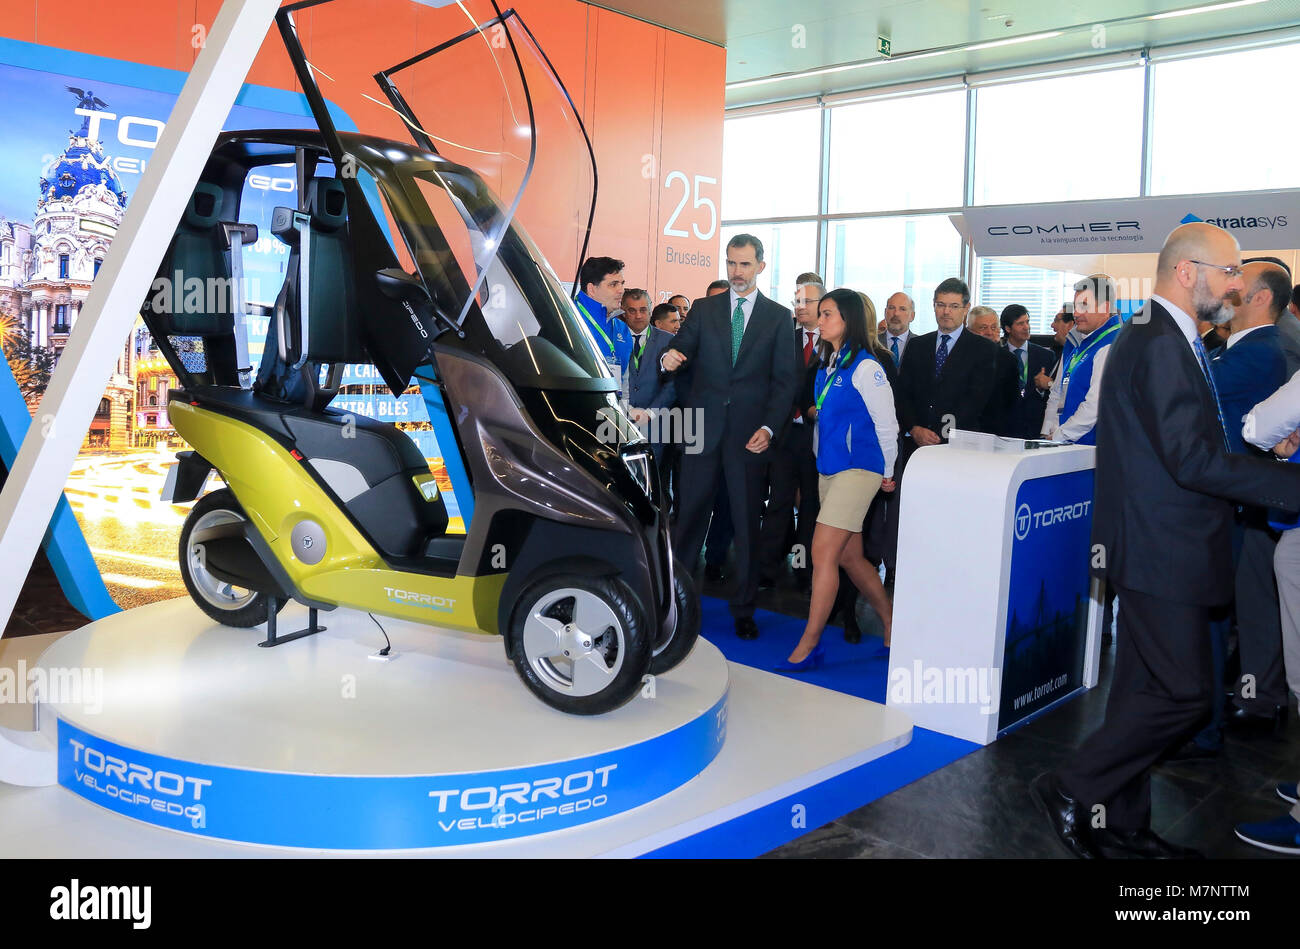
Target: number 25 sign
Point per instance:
(700, 202)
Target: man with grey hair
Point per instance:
(794, 466)
(1166, 484)
(983, 321)
(1071, 414)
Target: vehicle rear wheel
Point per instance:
(217, 517)
(679, 643)
(581, 644)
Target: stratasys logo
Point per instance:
(1244, 222)
(411, 598)
(1026, 519)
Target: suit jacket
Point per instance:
(805, 374)
(1165, 481)
(1245, 374)
(737, 400)
(1288, 328)
(903, 340)
(1025, 419)
(648, 388)
(961, 391)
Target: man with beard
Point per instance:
(1162, 525)
(742, 386)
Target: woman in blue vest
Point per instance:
(856, 442)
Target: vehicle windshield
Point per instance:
(499, 146)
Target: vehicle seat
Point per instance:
(203, 336)
(332, 323)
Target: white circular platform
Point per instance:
(314, 743)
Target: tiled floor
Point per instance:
(979, 806)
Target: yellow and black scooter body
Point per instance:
(277, 493)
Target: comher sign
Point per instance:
(1260, 220)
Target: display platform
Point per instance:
(447, 738)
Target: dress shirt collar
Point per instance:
(1185, 322)
(1241, 334)
(749, 301)
(952, 338)
(901, 337)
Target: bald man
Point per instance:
(1162, 526)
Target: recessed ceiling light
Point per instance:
(1208, 8)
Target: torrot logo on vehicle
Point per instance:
(1085, 227)
(1026, 519)
(411, 598)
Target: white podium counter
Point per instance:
(995, 615)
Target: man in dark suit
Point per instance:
(793, 464)
(1162, 524)
(1025, 419)
(742, 381)
(947, 376)
(651, 394)
(1249, 368)
(881, 535)
(983, 321)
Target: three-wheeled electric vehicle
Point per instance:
(400, 260)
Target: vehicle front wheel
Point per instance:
(581, 644)
(678, 645)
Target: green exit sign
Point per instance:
(882, 45)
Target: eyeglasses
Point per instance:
(948, 306)
(1230, 271)
(797, 302)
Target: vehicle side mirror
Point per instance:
(397, 284)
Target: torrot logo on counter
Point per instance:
(1027, 519)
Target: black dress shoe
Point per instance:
(1253, 724)
(1141, 844)
(766, 582)
(713, 573)
(1067, 816)
(746, 628)
(1191, 751)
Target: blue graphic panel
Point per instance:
(335, 812)
(65, 546)
(1047, 608)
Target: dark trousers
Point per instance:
(721, 532)
(1259, 622)
(1159, 694)
(745, 481)
(880, 535)
(793, 468)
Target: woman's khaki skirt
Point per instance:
(845, 497)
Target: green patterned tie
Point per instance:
(737, 328)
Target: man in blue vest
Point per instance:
(1071, 414)
(602, 291)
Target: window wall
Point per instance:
(861, 191)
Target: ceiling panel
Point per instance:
(766, 38)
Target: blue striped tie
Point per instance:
(1204, 360)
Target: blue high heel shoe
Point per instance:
(809, 662)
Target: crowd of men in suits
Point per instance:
(1191, 507)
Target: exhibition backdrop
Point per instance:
(86, 91)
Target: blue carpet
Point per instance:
(849, 668)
